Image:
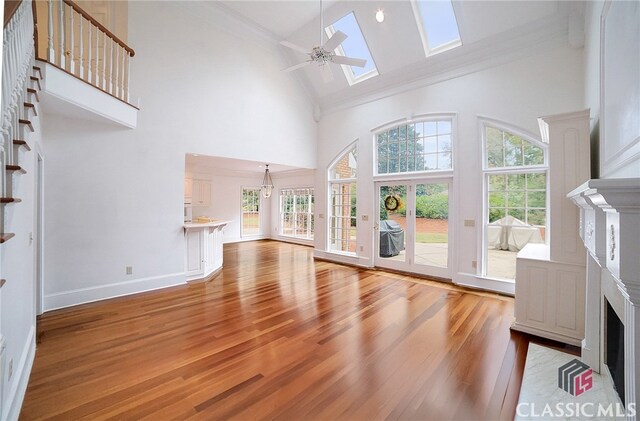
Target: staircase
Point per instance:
(20, 86)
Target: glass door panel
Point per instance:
(392, 226)
(432, 224)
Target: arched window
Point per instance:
(342, 202)
(515, 189)
(415, 147)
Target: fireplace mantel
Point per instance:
(610, 229)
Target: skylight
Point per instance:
(437, 25)
(354, 46)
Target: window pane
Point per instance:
(533, 155)
(536, 199)
(430, 128)
(536, 181)
(346, 167)
(537, 217)
(497, 199)
(438, 22)
(497, 182)
(515, 181)
(354, 46)
(516, 199)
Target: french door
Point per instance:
(412, 226)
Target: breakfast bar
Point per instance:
(203, 249)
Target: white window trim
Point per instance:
(425, 39)
(485, 122)
(352, 79)
(416, 119)
(260, 213)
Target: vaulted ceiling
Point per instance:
(490, 32)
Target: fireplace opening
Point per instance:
(614, 350)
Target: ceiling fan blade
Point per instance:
(296, 66)
(294, 47)
(336, 39)
(327, 74)
(359, 62)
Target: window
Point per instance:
(342, 203)
(250, 211)
(354, 46)
(415, 147)
(296, 213)
(516, 198)
(437, 24)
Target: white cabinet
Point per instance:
(549, 296)
(201, 193)
(203, 249)
(194, 257)
(188, 190)
(550, 285)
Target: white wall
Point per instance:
(616, 143)
(516, 93)
(115, 196)
(287, 180)
(226, 203)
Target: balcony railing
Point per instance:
(72, 40)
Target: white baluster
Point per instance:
(116, 71)
(72, 64)
(89, 67)
(123, 73)
(82, 71)
(50, 51)
(112, 67)
(104, 61)
(126, 92)
(61, 34)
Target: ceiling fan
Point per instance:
(324, 54)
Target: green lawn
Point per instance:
(422, 237)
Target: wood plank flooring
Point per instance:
(278, 336)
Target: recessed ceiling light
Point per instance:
(380, 16)
(259, 166)
(195, 154)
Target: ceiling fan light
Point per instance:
(380, 16)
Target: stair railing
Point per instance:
(78, 44)
(17, 61)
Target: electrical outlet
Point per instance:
(321, 215)
(361, 248)
(469, 222)
(129, 270)
(10, 369)
(365, 217)
(474, 264)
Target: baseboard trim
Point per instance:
(19, 386)
(546, 334)
(118, 289)
(493, 285)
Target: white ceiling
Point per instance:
(211, 164)
(395, 44)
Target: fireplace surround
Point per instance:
(610, 229)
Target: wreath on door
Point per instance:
(392, 202)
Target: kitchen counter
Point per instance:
(203, 249)
(214, 223)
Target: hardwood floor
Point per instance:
(279, 336)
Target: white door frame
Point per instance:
(409, 264)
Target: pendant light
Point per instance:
(267, 184)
